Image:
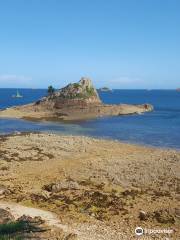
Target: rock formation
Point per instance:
(81, 93)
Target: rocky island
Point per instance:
(76, 101)
(105, 89)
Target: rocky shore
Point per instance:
(77, 101)
(97, 189)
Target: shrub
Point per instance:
(12, 227)
(10, 238)
(51, 90)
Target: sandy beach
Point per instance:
(99, 189)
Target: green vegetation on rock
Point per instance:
(90, 91)
(76, 85)
(82, 90)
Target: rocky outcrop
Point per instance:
(81, 93)
(76, 101)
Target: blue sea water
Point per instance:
(159, 128)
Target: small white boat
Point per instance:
(18, 95)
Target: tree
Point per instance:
(50, 90)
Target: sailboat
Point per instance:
(18, 95)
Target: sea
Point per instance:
(160, 128)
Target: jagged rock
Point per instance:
(5, 216)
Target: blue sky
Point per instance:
(117, 43)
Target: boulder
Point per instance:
(63, 185)
(143, 215)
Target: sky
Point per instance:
(125, 44)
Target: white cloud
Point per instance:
(14, 80)
(12, 77)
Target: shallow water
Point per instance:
(158, 128)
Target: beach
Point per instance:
(101, 189)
